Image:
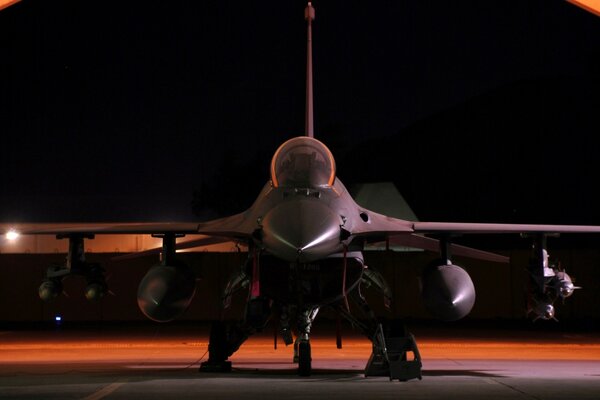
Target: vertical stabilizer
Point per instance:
(309, 15)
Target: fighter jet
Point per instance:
(305, 237)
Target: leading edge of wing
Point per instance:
(100, 228)
(235, 226)
(468, 227)
(238, 226)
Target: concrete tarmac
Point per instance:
(161, 362)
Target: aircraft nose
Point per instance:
(301, 230)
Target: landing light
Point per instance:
(12, 235)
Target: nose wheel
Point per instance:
(302, 352)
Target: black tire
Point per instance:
(304, 358)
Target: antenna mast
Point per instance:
(309, 16)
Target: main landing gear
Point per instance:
(391, 355)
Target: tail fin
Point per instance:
(309, 15)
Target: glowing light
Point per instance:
(592, 6)
(12, 235)
(7, 3)
(58, 318)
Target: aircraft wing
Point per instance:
(236, 226)
(468, 227)
(188, 244)
(380, 227)
(233, 228)
(100, 228)
(408, 233)
(431, 244)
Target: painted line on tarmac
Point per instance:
(506, 385)
(105, 391)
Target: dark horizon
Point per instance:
(154, 102)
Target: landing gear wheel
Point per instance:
(304, 358)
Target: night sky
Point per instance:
(479, 111)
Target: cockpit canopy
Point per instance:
(303, 162)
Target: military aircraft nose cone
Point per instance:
(301, 230)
